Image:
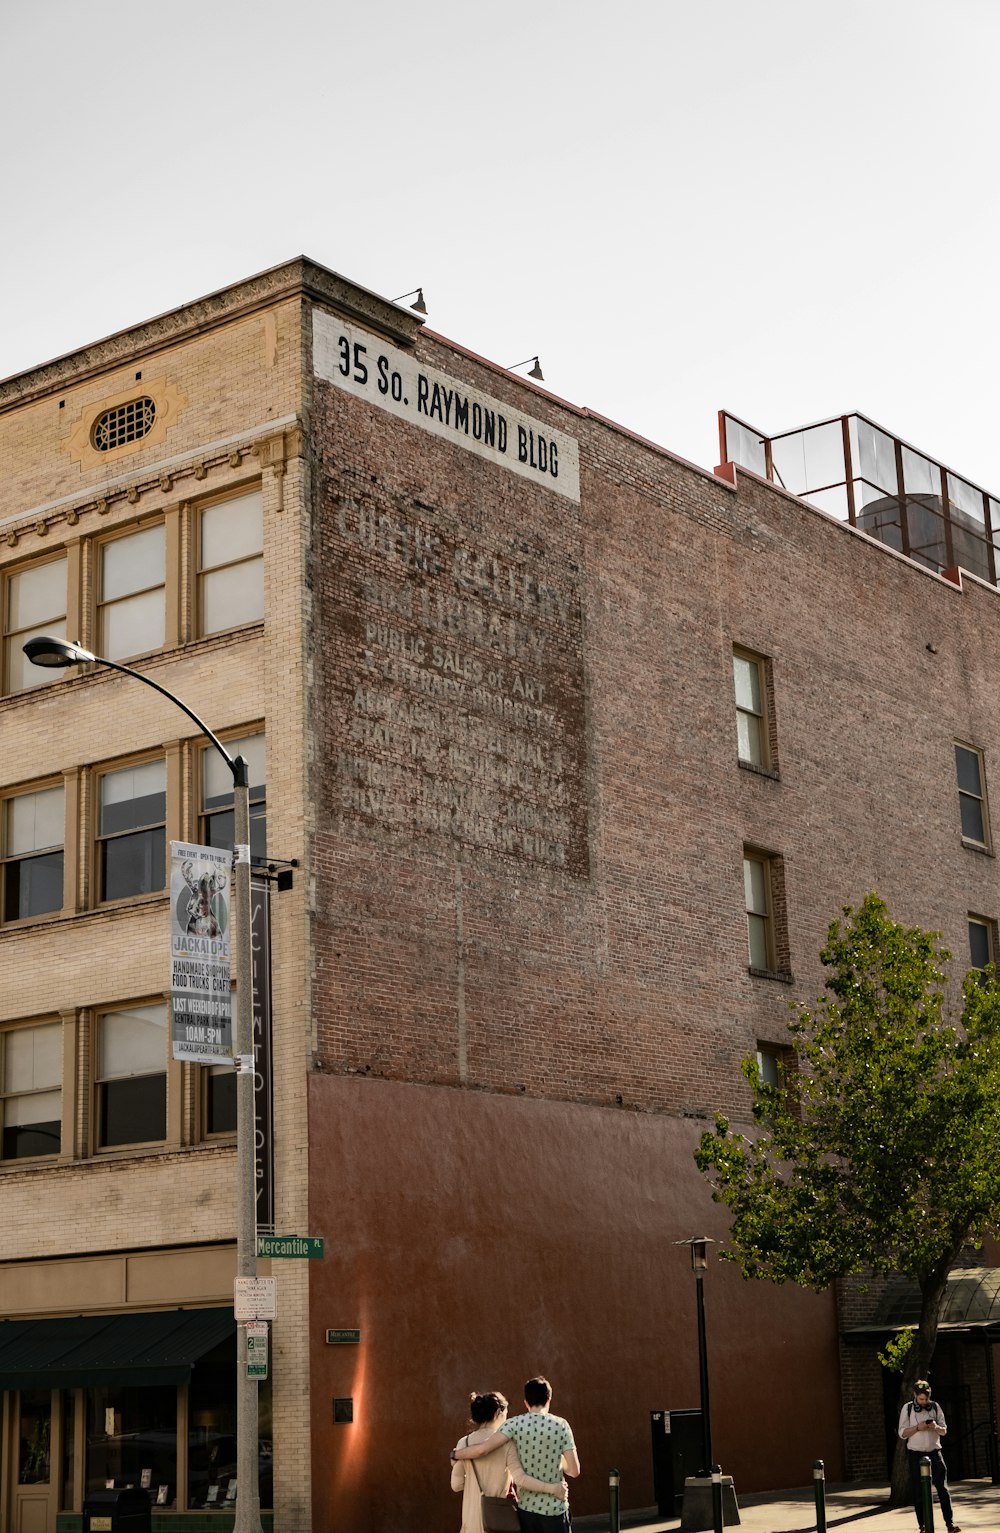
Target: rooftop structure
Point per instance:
(862, 474)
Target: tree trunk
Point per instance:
(918, 1364)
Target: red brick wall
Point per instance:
(603, 962)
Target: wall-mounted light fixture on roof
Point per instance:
(417, 292)
(536, 371)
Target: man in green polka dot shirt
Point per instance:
(546, 1449)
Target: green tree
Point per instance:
(880, 1153)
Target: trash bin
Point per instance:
(676, 1454)
(125, 1510)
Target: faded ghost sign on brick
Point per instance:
(452, 656)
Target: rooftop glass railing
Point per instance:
(862, 474)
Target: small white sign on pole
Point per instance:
(255, 1298)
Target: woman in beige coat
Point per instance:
(495, 1470)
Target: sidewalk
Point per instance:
(860, 1507)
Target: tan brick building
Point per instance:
(558, 876)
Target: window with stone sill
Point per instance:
(219, 1092)
(217, 813)
(131, 1076)
(34, 602)
(756, 746)
(982, 943)
(31, 853)
(131, 835)
(231, 563)
(131, 610)
(972, 805)
(767, 926)
(31, 1099)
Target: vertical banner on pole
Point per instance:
(200, 999)
(260, 929)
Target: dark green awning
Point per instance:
(91, 1351)
(971, 1306)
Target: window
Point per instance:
(131, 1076)
(131, 835)
(32, 1097)
(32, 853)
(972, 795)
(220, 1099)
(770, 1064)
(231, 564)
(217, 796)
(982, 943)
(126, 423)
(760, 926)
(131, 611)
(36, 603)
(749, 676)
(220, 1091)
(767, 923)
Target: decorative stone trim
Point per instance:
(272, 452)
(169, 402)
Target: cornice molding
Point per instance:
(300, 278)
(273, 449)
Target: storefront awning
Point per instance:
(971, 1306)
(91, 1351)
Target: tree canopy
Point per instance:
(879, 1150)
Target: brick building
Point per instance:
(578, 747)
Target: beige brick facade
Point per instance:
(228, 392)
(493, 663)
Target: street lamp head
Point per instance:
(55, 654)
(699, 1251)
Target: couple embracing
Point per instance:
(537, 1451)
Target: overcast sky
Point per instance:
(784, 207)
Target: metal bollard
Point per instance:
(717, 1497)
(819, 1487)
(614, 1497)
(926, 1499)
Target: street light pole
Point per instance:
(58, 653)
(699, 1263)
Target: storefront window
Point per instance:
(36, 1434)
(212, 1432)
(69, 1448)
(132, 1440)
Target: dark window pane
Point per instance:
(212, 1430)
(972, 819)
(134, 1111)
(35, 1435)
(33, 886)
(220, 800)
(967, 765)
(133, 864)
(20, 1140)
(222, 1102)
(150, 809)
(144, 1418)
(979, 944)
(219, 830)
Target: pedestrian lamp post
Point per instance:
(699, 1245)
(57, 654)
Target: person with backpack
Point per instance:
(922, 1426)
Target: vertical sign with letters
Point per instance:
(260, 930)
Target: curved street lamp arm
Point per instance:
(237, 765)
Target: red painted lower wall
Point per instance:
(476, 1239)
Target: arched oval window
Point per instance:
(125, 423)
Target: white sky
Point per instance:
(785, 207)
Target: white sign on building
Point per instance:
(394, 380)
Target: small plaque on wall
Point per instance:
(343, 1409)
(343, 1338)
